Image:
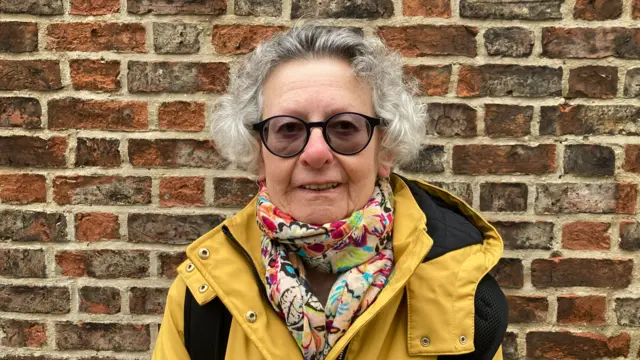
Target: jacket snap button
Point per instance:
(425, 341)
(190, 267)
(203, 288)
(251, 316)
(463, 339)
(203, 253)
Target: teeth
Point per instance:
(320, 187)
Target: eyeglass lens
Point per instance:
(345, 134)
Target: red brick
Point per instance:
(509, 273)
(95, 75)
(596, 198)
(102, 190)
(23, 188)
(181, 115)
(432, 80)
(168, 264)
(233, 192)
(582, 310)
(597, 9)
(593, 82)
(504, 159)
(635, 10)
(586, 236)
(591, 43)
(97, 226)
(170, 229)
(176, 7)
(589, 120)
(98, 36)
(175, 153)
(18, 37)
(182, 191)
(20, 112)
(22, 263)
(449, 120)
(427, 8)
(569, 272)
(509, 80)
(632, 158)
(22, 333)
(426, 40)
(103, 264)
(72, 113)
(35, 299)
(94, 7)
(241, 39)
(527, 309)
(99, 300)
(507, 120)
(39, 75)
(145, 301)
(28, 151)
(98, 152)
(177, 77)
(571, 345)
(102, 336)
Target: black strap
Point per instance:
(206, 328)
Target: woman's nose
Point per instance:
(317, 152)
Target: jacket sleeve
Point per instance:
(170, 342)
(498, 355)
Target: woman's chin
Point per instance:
(318, 215)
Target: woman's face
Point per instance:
(314, 90)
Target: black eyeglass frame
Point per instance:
(373, 122)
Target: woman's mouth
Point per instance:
(320, 187)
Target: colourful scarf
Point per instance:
(359, 249)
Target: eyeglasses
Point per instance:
(346, 133)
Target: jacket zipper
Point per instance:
(263, 289)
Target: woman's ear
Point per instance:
(384, 164)
(261, 172)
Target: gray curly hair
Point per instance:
(370, 60)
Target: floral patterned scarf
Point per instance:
(359, 249)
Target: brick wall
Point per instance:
(106, 170)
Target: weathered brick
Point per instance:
(176, 38)
(569, 272)
(510, 346)
(582, 310)
(364, 9)
(101, 190)
(590, 120)
(175, 153)
(527, 309)
(427, 8)
(503, 197)
(509, 41)
(258, 7)
(525, 235)
(430, 159)
(507, 120)
(593, 82)
(33, 7)
(241, 39)
(35, 299)
(572, 345)
(18, 37)
(22, 112)
(98, 152)
(177, 77)
(591, 43)
(432, 80)
(28, 151)
(509, 273)
(589, 160)
(567, 198)
(629, 235)
(23, 188)
(102, 336)
(168, 264)
(177, 7)
(40, 357)
(632, 83)
(426, 40)
(500, 9)
(39, 75)
(95, 75)
(97, 226)
(97, 36)
(449, 120)
(94, 7)
(233, 192)
(73, 113)
(31, 226)
(584, 235)
(181, 115)
(170, 229)
(103, 264)
(632, 158)
(628, 311)
(504, 159)
(145, 301)
(509, 80)
(460, 189)
(99, 300)
(597, 9)
(22, 333)
(22, 263)
(635, 9)
(182, 191)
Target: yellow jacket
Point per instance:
(426, 309)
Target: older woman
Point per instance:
(336, 257)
